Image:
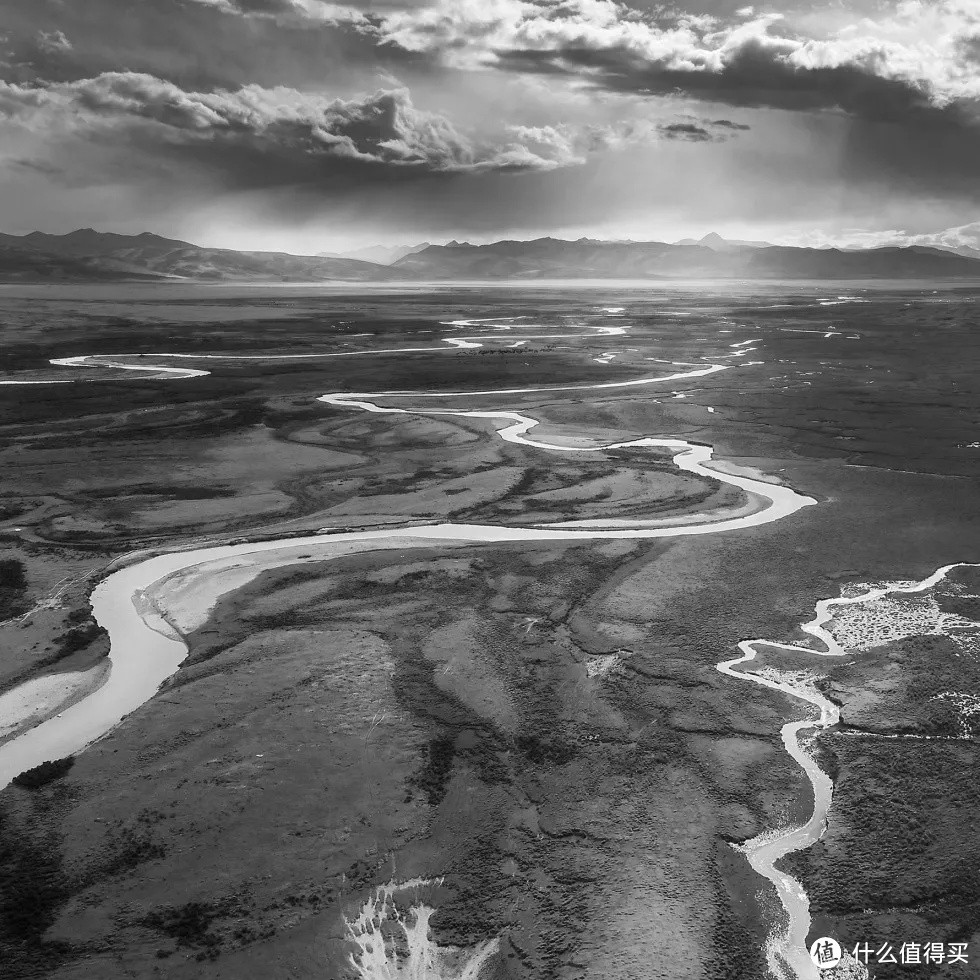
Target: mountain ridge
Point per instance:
(588, 258)
(89, 255)
(379, 254)
(715, 242)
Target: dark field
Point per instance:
(543, 725)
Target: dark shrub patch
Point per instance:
(434, 775)
(12, 574)
(78, 638)
(188, 924)
(539, 751)
(46, 772)
(32, 890)
(131, 849)
(13, 585)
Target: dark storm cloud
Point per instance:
(182, 100)
(310, 9)
(686, 131)
(740, 60)
(902, 69)
(753, 75)
(258, 137)
(695, 130)
(271, 136)
(250, 7)
(197, 45)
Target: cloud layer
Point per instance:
(921, 60)
(383, 132)
(291, 136)
(598, 116)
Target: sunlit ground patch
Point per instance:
(864, 625)
(391, 934)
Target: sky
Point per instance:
(308, 125)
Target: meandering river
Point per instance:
(146, 650)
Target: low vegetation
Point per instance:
(33, 888)
(13, 588)
(78, 638)
(46, 772)
(433, 778)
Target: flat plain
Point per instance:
(535, 731)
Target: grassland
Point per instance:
(446, 712)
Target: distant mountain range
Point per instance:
(88, 255)
(966, 250)
(100, 256)
(381, 254)
(711, 258)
